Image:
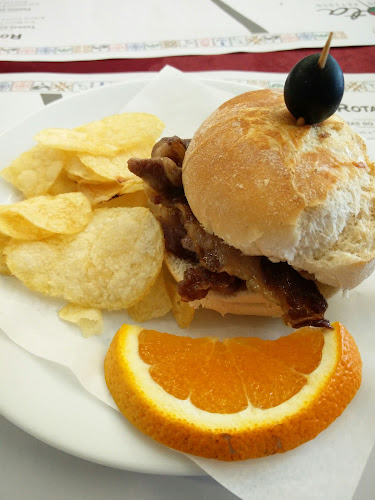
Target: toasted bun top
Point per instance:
(269, 187)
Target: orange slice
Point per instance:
(237, 399)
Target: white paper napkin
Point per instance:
(181, 102)
(330, 466)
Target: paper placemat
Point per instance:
(41, 30)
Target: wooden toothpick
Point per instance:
(323, 56)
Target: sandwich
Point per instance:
(262, 216)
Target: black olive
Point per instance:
(314, 93)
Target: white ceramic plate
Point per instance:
(44, 398)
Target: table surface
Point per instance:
(30, 469)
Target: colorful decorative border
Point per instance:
(350, 86)
(61, 87)
(234, 42)
(47, 86)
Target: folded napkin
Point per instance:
(330, 466)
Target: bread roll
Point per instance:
(304, 195)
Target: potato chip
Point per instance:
(72, 140)
(111, 264)
(4, 240)
(115, 168)
(182, 311)
(132, 186)
(44, 216)
(77, 171)
(97, 193)
(155, 304)
(89, 320)
(125, 130)
(63, 184)
(35, 171)
(137, 199)
(107, 136)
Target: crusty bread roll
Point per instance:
(304, 195)
(244, 303)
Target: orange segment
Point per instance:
(301, 350)
(172, 360)
(219, 388)
(267, 381)
(237, 399)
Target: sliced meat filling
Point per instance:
(223, 268)
(199, 280)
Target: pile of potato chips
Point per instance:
(84, 232)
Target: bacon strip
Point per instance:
(199, 280)
(161, 174)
